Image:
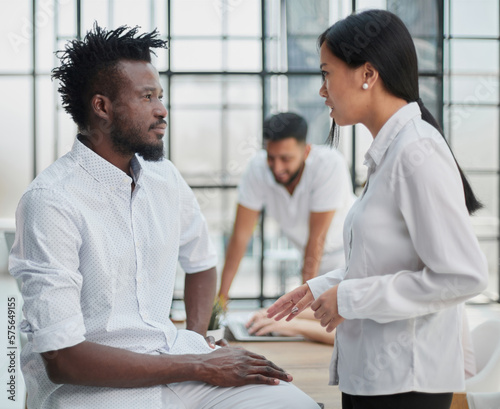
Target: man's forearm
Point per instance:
(312, 259)
(242, 231)
(98, 365)
(93, 364)
(199, 295)
(234, 253)
(319, 224)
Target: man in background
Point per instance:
(306, 188)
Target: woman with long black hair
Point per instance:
(412, 258)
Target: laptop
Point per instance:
(235, 323)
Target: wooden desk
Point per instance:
(308, 363)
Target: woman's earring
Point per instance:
(365, 86)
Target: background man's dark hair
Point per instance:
(285, 125)
(90, 66)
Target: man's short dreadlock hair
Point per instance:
(90, 66)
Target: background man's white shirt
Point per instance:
(325, 185)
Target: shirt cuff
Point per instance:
(320, 284)
(345, 299)
(256, 207)
(198, 267)
(64, 334)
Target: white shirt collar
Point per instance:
(389, 132)
(101, 169)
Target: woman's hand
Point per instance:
(291, 303)
(326, 309)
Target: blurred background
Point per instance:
(230, 64)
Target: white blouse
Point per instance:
(412, 259)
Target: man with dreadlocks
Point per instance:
(99, 235)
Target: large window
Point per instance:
(230, 64)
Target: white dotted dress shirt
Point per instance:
(98, 263)
(412, 259)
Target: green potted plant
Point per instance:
(215, 328)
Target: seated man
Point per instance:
(99, 235)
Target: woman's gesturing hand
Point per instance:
(291, 303)
(326, 309)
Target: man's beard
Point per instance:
(293, 177)
(127, 141)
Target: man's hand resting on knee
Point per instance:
(235, 366)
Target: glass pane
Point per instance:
(490, 249)
(247, 281)
(485, 223)
(132, 13)
(244, 55)
(243, 18)
(276, 59)
(282, 261)
(196, 18)
(160, 20)
(219, 208)
(474, 56)
(474, 136)
(243, 139)
(160, 60)
(426, 53)
(421, 18)
(45, 146)
(277, 94)
(429, 89)
(304, 99)
(244, 90)
(371, 4)
(16, 144)
(474, 89)
(45, 37)
(196, 144)
(474, 18)
(166, 138)
(94, 10)
(302, 54)
(196, 55)
(364, 140)
(66, 133)
(66, 19)
(273, 18)
(486, 189)
(306, 17)
(16, 37)
(195, 91)
(283, 270)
